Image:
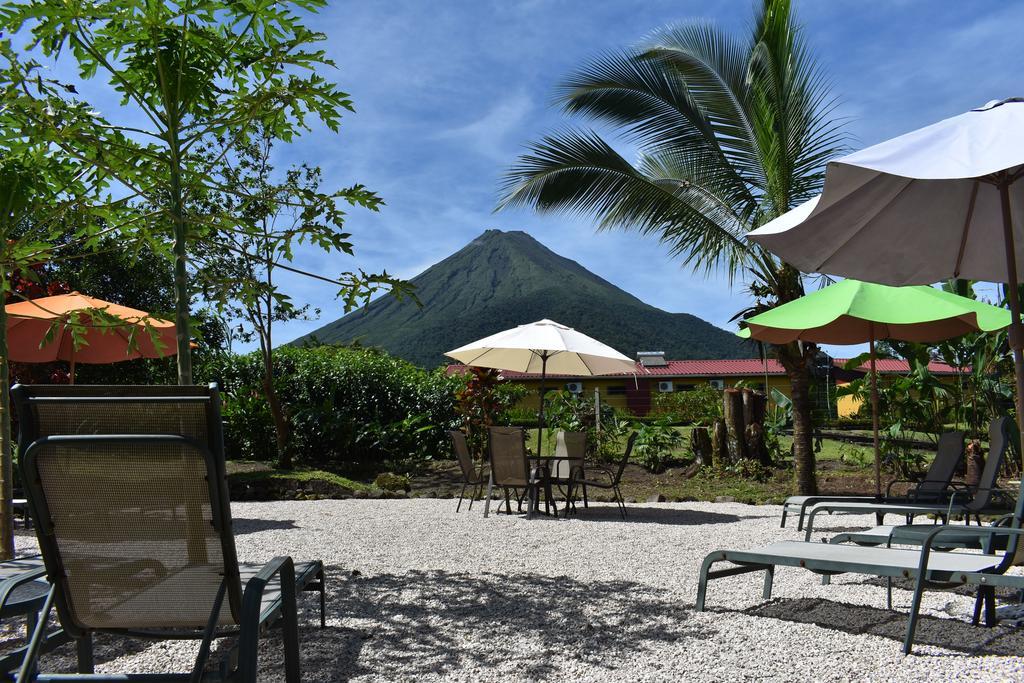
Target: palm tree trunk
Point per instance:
(798, 369)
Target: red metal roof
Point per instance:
(738, 367)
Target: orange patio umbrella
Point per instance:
(28, 323)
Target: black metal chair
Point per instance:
(614, 478)
(471, 476)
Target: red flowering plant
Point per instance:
(483, 402)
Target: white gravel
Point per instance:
(418, 592)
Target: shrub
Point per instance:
(655, 443)
(571, 413)
(699, 406)
(346, 406)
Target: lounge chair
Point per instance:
(931, 489)
(128, 492)
(612, 478)
(984, 498)
(510, 470)
(928, 569)
(471, 476)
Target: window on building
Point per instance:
(616, 389)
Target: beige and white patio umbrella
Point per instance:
(941, 202)
(544, 347)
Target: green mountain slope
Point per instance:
(503, 279)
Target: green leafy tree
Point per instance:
(188, 74)
(729, 133)
(236, 268)
(40, 193)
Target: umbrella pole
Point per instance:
(874, 413)
(72, 373)
(1016, 329)
(540, 415)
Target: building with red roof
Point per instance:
(655, 374)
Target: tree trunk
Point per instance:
(975, 459)
(700, 444)
(799, 372)
(282, 429)
(181, 296)
(719, 444)
(6, 445)
(732, 412)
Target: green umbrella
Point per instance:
(854, 312)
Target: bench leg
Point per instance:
(769, 577)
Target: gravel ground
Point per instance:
(417, 591)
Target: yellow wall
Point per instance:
(849, 406)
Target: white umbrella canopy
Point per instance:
(916, 209)
(543, 347)
(941, 202)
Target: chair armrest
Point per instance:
(8, 586)
(988, 531)
(252, 597)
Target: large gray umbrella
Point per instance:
(940, 202)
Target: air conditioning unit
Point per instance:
(665, 387)
(717, 383)
(574, 387)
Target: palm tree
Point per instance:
(730, 132)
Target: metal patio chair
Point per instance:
(932, 488)
(510, 469)
(570, 456)
(471, 475)
(612, 478)
(128, 491)
(984, 498)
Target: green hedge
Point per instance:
(347, 406)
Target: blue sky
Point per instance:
(447, 93)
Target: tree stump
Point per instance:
(719, 444)
(700, 444)
(732, 412)
(755, 407)
(756, 449)
(975, 459)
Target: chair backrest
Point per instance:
(625, 458)
(948, 455)
(570, 451)
(998, 442)
(509, 464)
(461, 448)
(128, 490)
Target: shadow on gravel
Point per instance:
(646, 515)
(251, 526)
(405, 626)
(953, 634)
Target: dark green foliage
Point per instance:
(655, 442)
(698, 406)
(350, 408)
(569, 412)
(504, 279)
